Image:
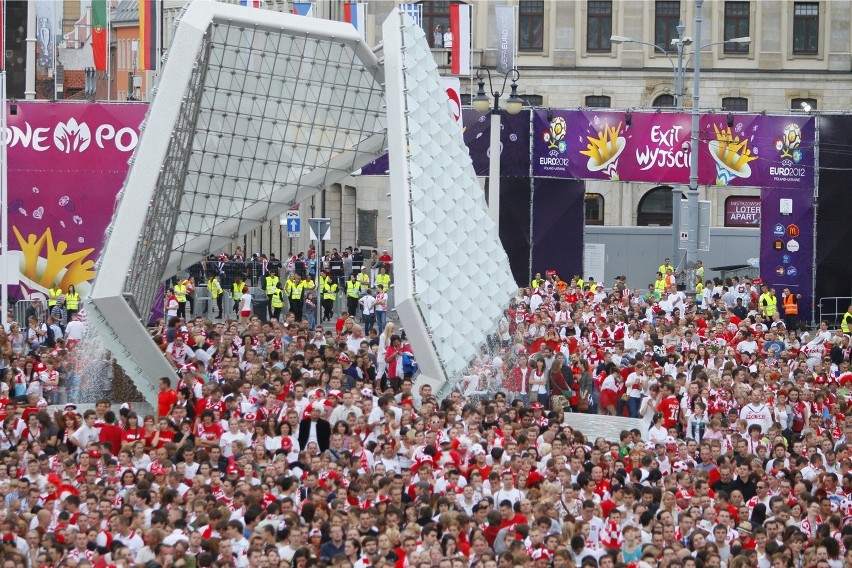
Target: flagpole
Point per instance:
(4, 186)
(4, 192)
(106, 48)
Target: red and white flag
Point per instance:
(460, 27)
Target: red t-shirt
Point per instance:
(165, 401)
(669, 406)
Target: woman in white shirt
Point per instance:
(657, 434)
(245, 306)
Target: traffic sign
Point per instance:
(294, 223)
(320, 226)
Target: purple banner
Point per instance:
(757, 151)
(67, 162)
(514, 139)
(787, 244)
(615, 146)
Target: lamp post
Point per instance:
(680, 42)
(482, 104)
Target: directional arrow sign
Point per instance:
(321, 227)
(294, 224)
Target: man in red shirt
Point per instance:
(166, 398)
(386, 261)
(669, 406)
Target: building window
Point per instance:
(803, 104)
(735, 104)
(737, 24)
(594, 209)
(531, 25)
(806, 28)
(664, 101)
(666, 18)
(435, 13)
(655, 208)
(368, 233)
(532, 100)
(599, 26)
(598, 101)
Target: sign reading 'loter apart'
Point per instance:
(742, 212)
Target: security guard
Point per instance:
(768, 302)
(180, 293)
(353, 294)
(53, 296)
(277, 301)
(537, 281)
(295, 291)
(271, 285)
(215, 290)
(383, 278)
(237, 293)
(328, 293)
(790, 302)
(72, 301)
(364, 279)
(659, 285)
(699, 271)
(846, 322)
(665, 266)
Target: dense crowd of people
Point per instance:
(290, 442)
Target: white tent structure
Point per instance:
(255, 111)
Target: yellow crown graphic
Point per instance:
(76, 267)
(732, 152)
(605, 146)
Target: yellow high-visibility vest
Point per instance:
(277, 299)
(72, 301)
(353, 289)
(53, 296)
(180, 292)
(384, 280)
(271, 284)
(214, 287)
(294, 291)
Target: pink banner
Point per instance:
(67, 163)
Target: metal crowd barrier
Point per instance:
(204, 303)
(832, 308)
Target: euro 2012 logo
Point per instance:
(789, 143)
(555, 135)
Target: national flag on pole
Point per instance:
(460, 27)
(148, 22)
(356, 14)
(413, 10)
(252, 3)
(304, 9)
(100, 34)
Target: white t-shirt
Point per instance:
(245, 302)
